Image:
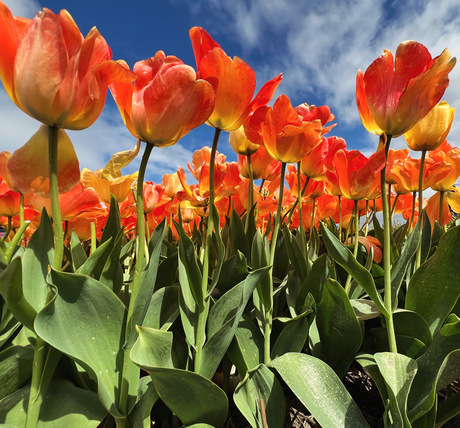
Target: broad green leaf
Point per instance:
(237, 236)
(398, 270)
(412, 324)
(314, 282)
(219, 248)
(247, 347)
(36, 260)
(64, 405)
(234, 270)
(435, 364)
(259, 259)
(296, 256)
(293, 335)
(407, 345)
(192, 397)
(223, 320)
(260, 391)
(112, 226)
(343, 256)
(15, 368)
(146, 398)
(153, 348)
(141, 300)
(111, 274)
(435, 286)
(398, 371)
(78, 253)
(167, 272)
(95, 262)
(85, 320)
(365, 309)
(320, 390)
(340, 335)
(448, 410)
(163, 308)
(11, 288)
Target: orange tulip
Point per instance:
(432, 130)
(283, 132)
(450, 156)
(233, 81)
(152, 195)
(263, 165)
(240, 143)
(165, 102)
(394, 94)
(357, 175)
(394, 156)
(52, 73)
(9, 201)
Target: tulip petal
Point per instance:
(29, 165)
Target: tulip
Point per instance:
(54, 74)
(241, 144)
(233, 81)
(395, 93)
(283, 132)
(165, 102)
(432, 130)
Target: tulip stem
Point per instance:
(21, 209)
(340, 217)
(299, 203)
(418, 256)
(356, 242)
(388, 302)
(269, 312)
(441, 207)
(53, 134)
(250, 193)
(204, 309)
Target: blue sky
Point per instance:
(319, 47)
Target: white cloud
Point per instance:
(25, 8)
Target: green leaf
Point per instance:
(223, 320)
(260, 391)
(259, 259)
(435, 286)
(112, 226)
(85, 320)
(64, 405)
(434, 365)
(153, 348)
(163, 308)
(142, 298)
(11, 288)
(398, 371)
(399, 268)
(314, 282)
(412, 324)
(192, 397)
(219, 248)
(36, 260)
(320, 390)
(15, 368)
(343, 256)
(340, 335)
(247, 348)
(295, 254)
(112, 274)
(78, 253)
(95, 262)
(238, 238)
(293, 335)
(234, 270)
(146, 398)
(365, 309)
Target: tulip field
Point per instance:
(303, 285)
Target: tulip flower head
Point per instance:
(395, 93)
(165, 102)
(54, 74)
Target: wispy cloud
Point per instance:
(25, 8)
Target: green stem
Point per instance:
(441, 206)
(138, 271)
(21, 209)
(340, 217)
(53, 134)
(299, 203)
(291, 211)
(93, 237)
(387, 255)
(414, 194)
(250, 193)
(418, 256)
(312, 224)
(356, 242)
(269, 313)
(204, 309)
(366, 230)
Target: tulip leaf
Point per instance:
(259, 259)
(15, 368)
(36, 260)
(94, 264)
(296, 256)
(78, 253)
(314, 282)
(320, 390)
(64, 405)
(192, 397)
(85, 320)
(163, 308)
(344, 257)
(238, 238)
(111, 274)
(435, 286)
(146, 398)
(223, 321)
(398, 372)
(234, 270)
(339, 332)
(437, 367)
(219, 247)
(112, 226)
(260, 392)
(11, 288)
(153, 348)
(247, 348)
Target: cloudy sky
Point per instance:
(319, 47)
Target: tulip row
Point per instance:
(179, 279)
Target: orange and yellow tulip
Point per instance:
(165, 102)
(395, 93)
(233, 80)
(54, 74)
